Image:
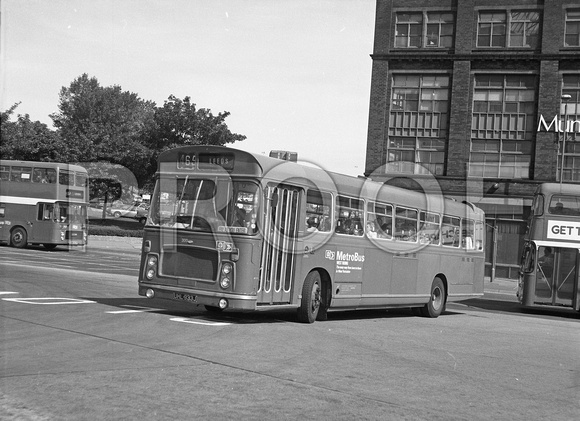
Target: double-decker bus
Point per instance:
(228, 229)
(43, 203)
(549, 274)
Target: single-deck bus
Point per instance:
(232, 230)
(549, 274)
(43, 203)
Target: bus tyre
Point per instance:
(436, 303)
(18, 237)
(311, 296)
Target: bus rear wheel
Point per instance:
(311, 298)
(18, 237)
(436, 304)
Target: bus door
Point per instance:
(45, 224)
(278, 262)
(556, 276)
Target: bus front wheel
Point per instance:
(436, 303)
(18, 237)
(311, 297)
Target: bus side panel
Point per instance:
(18, 216)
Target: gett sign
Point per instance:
(564, 230)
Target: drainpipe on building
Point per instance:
(493, 251)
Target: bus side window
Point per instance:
(429, 231)
(2, 211)
(479, 233)
(379, 220)
(349, 220)
(406, 221)
(467, 234)
(64, 177)
(45, 211)
(4, 173)
(318, 211)
(450, 231)
(20, 174)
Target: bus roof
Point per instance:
(558, 188)
(42, 164)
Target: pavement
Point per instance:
(114, 242)
(500, 289)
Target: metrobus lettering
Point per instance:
(341, 255)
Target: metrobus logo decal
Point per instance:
(344, 256)
(563, 230)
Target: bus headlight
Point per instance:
(226, 274)
(225, 283)
(151, 267)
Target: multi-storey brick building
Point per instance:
(474, 94)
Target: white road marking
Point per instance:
(137, 309)
(49, 300)
(199, 322)
(7, 292)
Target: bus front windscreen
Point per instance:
(209, 205)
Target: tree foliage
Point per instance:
(28, 140)
(95, 123)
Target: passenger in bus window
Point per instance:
(312, 224)
(558, 209)
(372, 229)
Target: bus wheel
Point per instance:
(49, 246)
(436, 303)
(18, 237)
(311, 296)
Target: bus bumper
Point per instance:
(199, 297)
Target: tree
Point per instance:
(179, 123)
(103, 123)
(29, 140)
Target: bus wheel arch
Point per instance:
(437, 298)
(315, 293)
(18, 237)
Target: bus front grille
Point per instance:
(190, 262)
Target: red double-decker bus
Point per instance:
(232, 230)
(43, 203)
(549, 274)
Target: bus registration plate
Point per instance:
(184, 297)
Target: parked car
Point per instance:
(137, 211)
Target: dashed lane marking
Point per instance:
(49, 301)
(199, 322)
(135, 309)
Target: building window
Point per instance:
(424, 30)
(418, 124)
(570, 112)
(524, 27)
(502, 126)
(572, 31)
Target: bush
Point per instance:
(119, 227)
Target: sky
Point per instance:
(294, 74)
